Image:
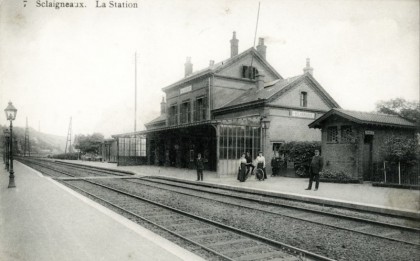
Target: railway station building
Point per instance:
(241, 104)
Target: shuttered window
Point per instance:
(249, 72)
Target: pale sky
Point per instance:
(79, 62)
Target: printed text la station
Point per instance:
(98, 4)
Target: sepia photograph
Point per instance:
(210, 130)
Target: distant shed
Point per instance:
(109, 150)
(351, 141)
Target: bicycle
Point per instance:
(259, 172)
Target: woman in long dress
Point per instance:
(261, 164)
(242, 168)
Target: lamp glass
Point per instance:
(10, 111)
(265, 124)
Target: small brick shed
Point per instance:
(351, 140)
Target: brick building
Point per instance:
(351, 141)
(237, 105)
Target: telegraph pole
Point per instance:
(27, 145)
(68, 140)
(135, 91)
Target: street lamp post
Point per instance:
(6, 148)
(265, 125)
(11, 116)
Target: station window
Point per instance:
(132, 146)
(235, 140)
(173, 114)
(200, 109)
(276, 149)
(332, 134)
(303, 99)
(185, 112)
(346, 134)
(249, 72)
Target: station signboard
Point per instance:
(302, 114)
(185, 89)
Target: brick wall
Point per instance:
(341, 156)
(351, 157)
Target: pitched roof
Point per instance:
(161, 118)
(223, 64)
(365, 118)
(274, 89)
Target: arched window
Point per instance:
(303, 99)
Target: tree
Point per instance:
(89, 143)
(409, 110)
(401, 149)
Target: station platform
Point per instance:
(404, 202)
(43, 220)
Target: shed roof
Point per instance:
(365, 118)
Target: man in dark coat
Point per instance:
(199, 163)
(249, 165)
(314, 169)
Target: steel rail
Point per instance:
(352, 218)
(413, 229)
(94, 168)
(150, 222)
(276, 244)
(268, 241)
(271, 212)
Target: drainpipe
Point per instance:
(209, 101)
(118, 151)
(218, 150)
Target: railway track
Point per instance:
(226, 242)
(393, 232)
(403, 234)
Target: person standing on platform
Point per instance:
(261, 163)
(249, 165)
(199, 163)
(315, 169)
(242, 168)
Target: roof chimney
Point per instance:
(261, 48)
(163, 106)
(211, 63)
(188, 67)
(308, 68)
(234, 45)
(260, 81)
